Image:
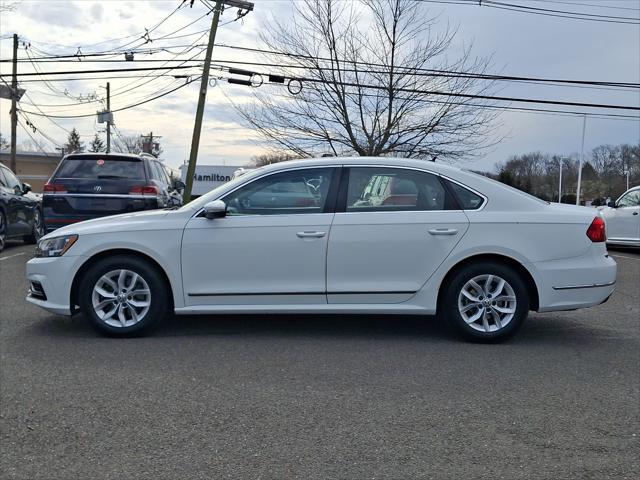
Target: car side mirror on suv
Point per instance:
(215, 209)
(26, 188)
(178, 185)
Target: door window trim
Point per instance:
(329, 206)
(344, 186)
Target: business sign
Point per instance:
(208, 177)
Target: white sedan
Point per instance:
(335, 235)
(622, 219)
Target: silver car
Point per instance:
(622, 218)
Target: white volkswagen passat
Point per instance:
(335, 235)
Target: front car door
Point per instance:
(623, 222)
(392, 229)
(271, 247)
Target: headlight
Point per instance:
(55, 247)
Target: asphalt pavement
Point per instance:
(319, 397)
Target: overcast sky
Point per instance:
(520, 44)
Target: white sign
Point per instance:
(208, 177)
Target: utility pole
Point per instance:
(584, 127)
(108, 121)
(204, 83)
(14, 104)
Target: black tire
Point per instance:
(3, 230)
(37, 230)
(159, 299)
(453, 300)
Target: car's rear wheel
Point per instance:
(486, 302)
(124, 296)
(38, 228)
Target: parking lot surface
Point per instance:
(319, 397)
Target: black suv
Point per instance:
(20, 214)
(92, 185)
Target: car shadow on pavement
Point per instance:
(549, 330)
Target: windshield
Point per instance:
(216, 192)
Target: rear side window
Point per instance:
(466, 198)
(385, 189)
(101, 168)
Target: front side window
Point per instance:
(382, 189)
(631, 199)
(293, 192)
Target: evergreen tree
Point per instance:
(97, 145)
(74, 144)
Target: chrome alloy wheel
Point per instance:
(487, 303)
(121, 298)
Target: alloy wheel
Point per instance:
(121, 298)
(487, 303)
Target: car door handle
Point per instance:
(311, 234)
(635, 213)
(443, 231)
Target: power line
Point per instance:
(118, 109)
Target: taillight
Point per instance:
(54, 188)
(144, 190)
(596, 231)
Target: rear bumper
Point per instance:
(57, 216)
(578, 282)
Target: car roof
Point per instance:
(368, 161)
(104, 155)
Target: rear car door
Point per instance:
(393, 227)
(91, 186)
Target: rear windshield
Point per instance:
(101, 168)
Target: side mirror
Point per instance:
(215, 209)
(179, 185)
(611, 203)
(26, 188)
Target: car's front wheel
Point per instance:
(486, 302)
(124, 296)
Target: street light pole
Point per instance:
(560, 183)
(584, 127)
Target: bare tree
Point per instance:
(274, 157)
(373, 76)
(128, 144)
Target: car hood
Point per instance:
(145, 220)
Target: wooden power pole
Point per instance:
(14, 104)
(108, 120)
(204, 83)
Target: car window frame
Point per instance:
(10, 187)
(330, 203)
(3, 182)
(637, 192)
(341, 202)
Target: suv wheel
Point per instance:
(3, 230)
(486, 302)
(124, 296)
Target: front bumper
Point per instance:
(55, 277)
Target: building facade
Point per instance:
(34, 168)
